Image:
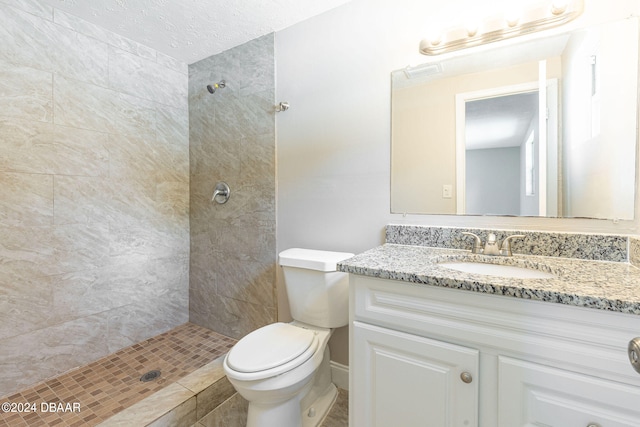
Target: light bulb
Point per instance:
(558, 7)
(512, 15)
(472, 28)
(434, 36)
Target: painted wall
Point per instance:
(94, 177)
(493, 181)
(333, 144)
(596, 184)
(232, 139)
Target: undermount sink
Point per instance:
(497, 270)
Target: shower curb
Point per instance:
(182, 403)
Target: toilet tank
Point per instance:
(318, 294)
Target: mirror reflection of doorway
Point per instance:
(501, 141)
(501, 166)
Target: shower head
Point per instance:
(220, 85)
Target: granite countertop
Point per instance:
(605, 285)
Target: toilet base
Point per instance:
(289, 414)
(284, 414)
(315, 414)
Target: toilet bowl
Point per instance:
(282, 369)
(274, 367)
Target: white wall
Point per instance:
(596, 185)
(493, 181)
(333, 143)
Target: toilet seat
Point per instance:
(271, 350)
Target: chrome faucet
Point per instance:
(491, 245)
(505, 248)
(477, 243)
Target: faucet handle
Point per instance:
(477, 243)
(505, 248)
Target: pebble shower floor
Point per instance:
(111, 384)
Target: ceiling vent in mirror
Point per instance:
(423, 70)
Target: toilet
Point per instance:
(282, 369)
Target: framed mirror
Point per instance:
(539, 128)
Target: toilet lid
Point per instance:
(268, 347)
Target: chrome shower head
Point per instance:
(220, 85)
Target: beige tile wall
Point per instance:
(94, 193)
(232, 139)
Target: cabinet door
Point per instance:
(399, 379)
(541, 396)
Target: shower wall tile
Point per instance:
(31, 296)
(154, 242)
(84, 293)
(87, 106)
(245, 278)
(79, 152)
(259, 160)
(173, 201)
(80, 25)
(39, 43)
(26, 199)
(34, 7)
(46, 352)
(26, 145)
(139, 321)
(234, 318)
(26, 92)
(172, 133)
(232, 139)
(35, 147)
(79, 246)
(45, 251)
(94, 193)
(120, 284)
(129, 73)
(248, 68)
(127, 150)
(221, 158)
(172, 63)
(27, 252)
(245, 115)
(81, 199)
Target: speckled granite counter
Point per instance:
(613, 286)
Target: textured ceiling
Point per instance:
(190, 30)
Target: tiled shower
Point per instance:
(110, 152)
(232, 139)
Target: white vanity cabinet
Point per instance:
(429, 356)
(537, 395)
(407, 380)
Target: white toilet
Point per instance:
(283, 369)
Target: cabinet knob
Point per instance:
(634, 353)
(466, 377)
(593, 425)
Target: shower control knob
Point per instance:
(634, 353)
(221, 193)
(466, 377)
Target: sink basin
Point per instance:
(497, 270)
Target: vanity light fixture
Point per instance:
(511, 23)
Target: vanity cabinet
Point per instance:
(429, 356)
(537, 395)
(408, 380)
